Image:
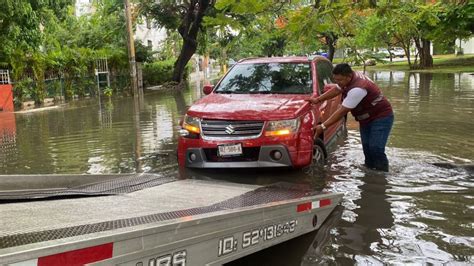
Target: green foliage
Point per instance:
(41, 37)
(18, 61)
(239, 29)
(166, 13)
(54, 88)
(184, 16)
(21, 20)
(45, 37)
(22, 91)
(305, 25)
(39, 66)
(456, 21)
(374, 31)
(170, 46)
(108, 91)
(159, 72)
(143, 53)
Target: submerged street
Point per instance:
(419, 212)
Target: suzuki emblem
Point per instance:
(229, 129)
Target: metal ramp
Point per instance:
(183, 222)
(35, 187)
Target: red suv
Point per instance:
(257, 116)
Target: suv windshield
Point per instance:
(278, 78)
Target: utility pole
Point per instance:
(131, 48)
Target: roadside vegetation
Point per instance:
(441, 63)
(239, 29)
(52, 52)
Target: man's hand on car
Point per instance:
(318, 131)
(313, 100)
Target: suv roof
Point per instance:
(285, 59)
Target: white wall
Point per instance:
(153, 34)
(83, 7)
(467, 46)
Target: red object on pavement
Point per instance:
(6, 98)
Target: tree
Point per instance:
(326, 21)
(184, 16)
(251, 28)
(426, 20)
(21, 23)
(386, 27)
(456, 21)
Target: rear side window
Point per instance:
(324, 73)
(276, 78)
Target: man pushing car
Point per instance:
(364, 99)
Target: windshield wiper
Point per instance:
(292, 92)
(260, 92)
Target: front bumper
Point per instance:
(264, 159)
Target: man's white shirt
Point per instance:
(354, 97)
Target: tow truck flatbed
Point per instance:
(181, 222)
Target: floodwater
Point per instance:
(421, 212)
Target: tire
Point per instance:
(319, 154)
(318, 158)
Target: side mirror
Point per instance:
(207, 89)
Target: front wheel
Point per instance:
(319, 154)
(318, 158)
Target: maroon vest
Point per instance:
(374, 105)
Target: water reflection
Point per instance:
(7, 137)
(363, 236)
(433, 112)
(115, 136)
(418, 213)
(137, 107)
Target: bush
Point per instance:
(22, 91)
(159, 72)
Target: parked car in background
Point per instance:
(395, 51)
(398, 52)
(257, 116)
(383, 52)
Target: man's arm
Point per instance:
(354, 97)
(333, 92)
(336, 116)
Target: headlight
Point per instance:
(282, 127)
(192, 124)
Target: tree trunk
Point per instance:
(187, 51)
(425, 85)
(331, 51)
(331, 40)
(423, 47)
(188, 30)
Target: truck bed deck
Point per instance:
(192, 221)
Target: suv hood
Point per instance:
(249, 106)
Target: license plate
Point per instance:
(230, 149)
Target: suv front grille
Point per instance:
(231, 129)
